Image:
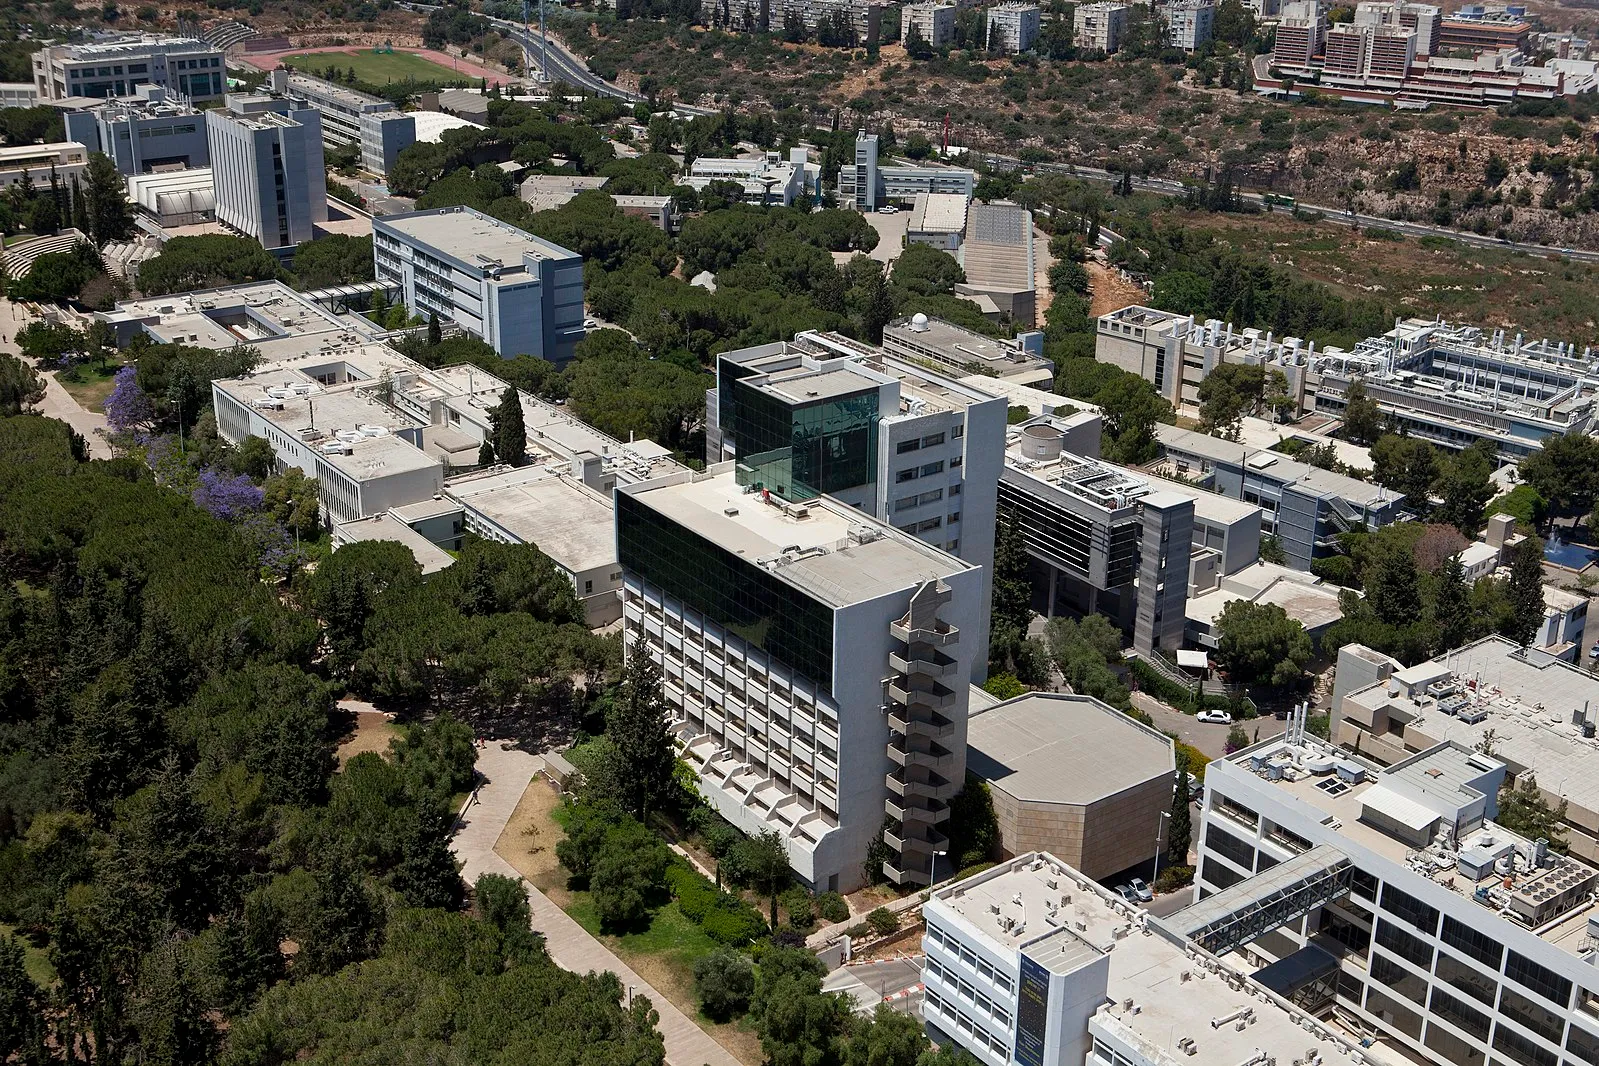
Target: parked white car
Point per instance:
(1218, 717)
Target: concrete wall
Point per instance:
(1100, 839)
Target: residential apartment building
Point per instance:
(1012, 27)
(1391, 896)
(143, 132)
(784, 631)
(867, 185)
(1034, 963)
(268, 170)
(1424, 20)
(1299, 36)
(65, 159)
(1303, 506)
(933, 22)
(1189, 23)
(861, 18)
(823, 414)
(117, 65)
(1100, 27)
(768, 180)
(519, 293)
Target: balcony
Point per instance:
(937, 697)
(921, 724)
(898, 876)
(934, 756)
(914, 785)
(924, 662)
(941, 635)
(907, 810)
(916, 840)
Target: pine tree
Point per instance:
(1526, 591)
(1451, 605)
(485, 454)
(19, 999)
(1180, 833)
(435, 332)
(1393, 590)
(427, 875)
(638, 725)
(508, 429)
(80, 208)
(110, 217)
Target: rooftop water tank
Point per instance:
(1042, 442)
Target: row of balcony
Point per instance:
(919, 786)
(917, 809)
(919, 693)
(911, 751)
(940, 635)
(920, 723)
(923, 660)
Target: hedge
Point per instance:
(724, 917)
(1181, 697)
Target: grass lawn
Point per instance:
(94, 384)
(375, 69)
(34, 960)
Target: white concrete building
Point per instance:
(770, 179)
(1012, 27)
(937, 220)
(785, 630)
(116, 64)
(268, 171)
(66, 159)
(1100, 27)
(1391, 896)
(866, 185)
(933, 22)
(1035, 964)
(1189, 23)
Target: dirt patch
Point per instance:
(373, 732)
(904, 941)
(1110, 291)
(863, 901)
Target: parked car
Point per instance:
(1141, 889)
(1218, 717)
(1194, 785)
(889, 210)
(1127, 893)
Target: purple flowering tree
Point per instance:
(128, 409)
(227, 496)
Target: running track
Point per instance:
(469, 69)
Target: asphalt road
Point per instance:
(1208, 738)
(1336, 215)
(897, 982)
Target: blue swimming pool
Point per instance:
(1571, 556)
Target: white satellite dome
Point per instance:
(919, 322)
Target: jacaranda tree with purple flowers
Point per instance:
(128, 409)
(226, 496)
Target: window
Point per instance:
(1583, 1044)
(1452, 1048)
(954, 516)
(1533, 1016)
(1463, 978)
(1410, 909)
(955, 490)
(907, 446)
(932, 440)
(984, 970)
(931, 497)
(957, 461)
(588, 588)
(929, 469)
(958, 432)
(1002, 982)
(1403, 944)
(905, 503)
(1219, 877)
(929, 524)
(1545, 982)
(1457, 1013)
(1407, 984)
(1394, 1013)
(1469, 941)
(1223, 843)
(905, 475)
(1520, 1049)
(1365, 884)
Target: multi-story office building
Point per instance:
(1424, 20)
(769, 180)
(1033, 963)
(522, 295)
(1012, 27)
(341, 107)
(1391, 897)
(933, 21)
(26, 94)
(960, 352)
(867, 185)
(1100, 27)
(117, 65)
(1303, 506)
(384, 135)
(1485, 28)
(143, 132)
(823, 414)
(267, 169)
(1369, 51)
(1299, 35)
(1536, 712)
(1189, 23)
(816, 662)
(65, 159)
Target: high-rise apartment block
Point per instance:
(1100, 27)
(117, 65)
(1012, 27)
(1189, 23)
(1299, 35)
(1369, 51)
(143, 132)
(267, 169)
(816, 661)
(933, 22)
(521, 294)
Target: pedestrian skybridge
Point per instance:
(1269, 900)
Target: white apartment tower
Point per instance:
(816, 662)
(933, 22)
(1100, 27)
(1189, 23)
(1012, 27)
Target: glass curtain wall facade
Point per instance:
(799, 451)
(742, 598)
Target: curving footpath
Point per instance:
(506, 772)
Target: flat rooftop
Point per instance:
(472, 237)
(1177, 992)
(1264, 462)
(332, 91)
(429, 556)
(938, 212)
(254, 313)
(830, 564)
(959, 346)
(1053, 748)
(1304, 597)
(546, 507)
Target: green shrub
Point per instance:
(1174, 877)
(973, 870)
(725, 980)
(736, 924)
(724, 917)
(832, 908)
(858, 930)
(799, 906)
(883, 921)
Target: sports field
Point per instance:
(375, 69)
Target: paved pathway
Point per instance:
(57, 402)
(507, 772)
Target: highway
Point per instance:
(1336, 215)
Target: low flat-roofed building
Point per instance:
(996, 255)
(1074, 777)
(659, 211)
(767, 179)
(65, 159)
(177, 197)
(267, 315)
(938, 219)
(1309, 600)
(546, 192)
(429, 556)
(957, 350)
(1032, 962)
(545, 505)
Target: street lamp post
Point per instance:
(1160, 826)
